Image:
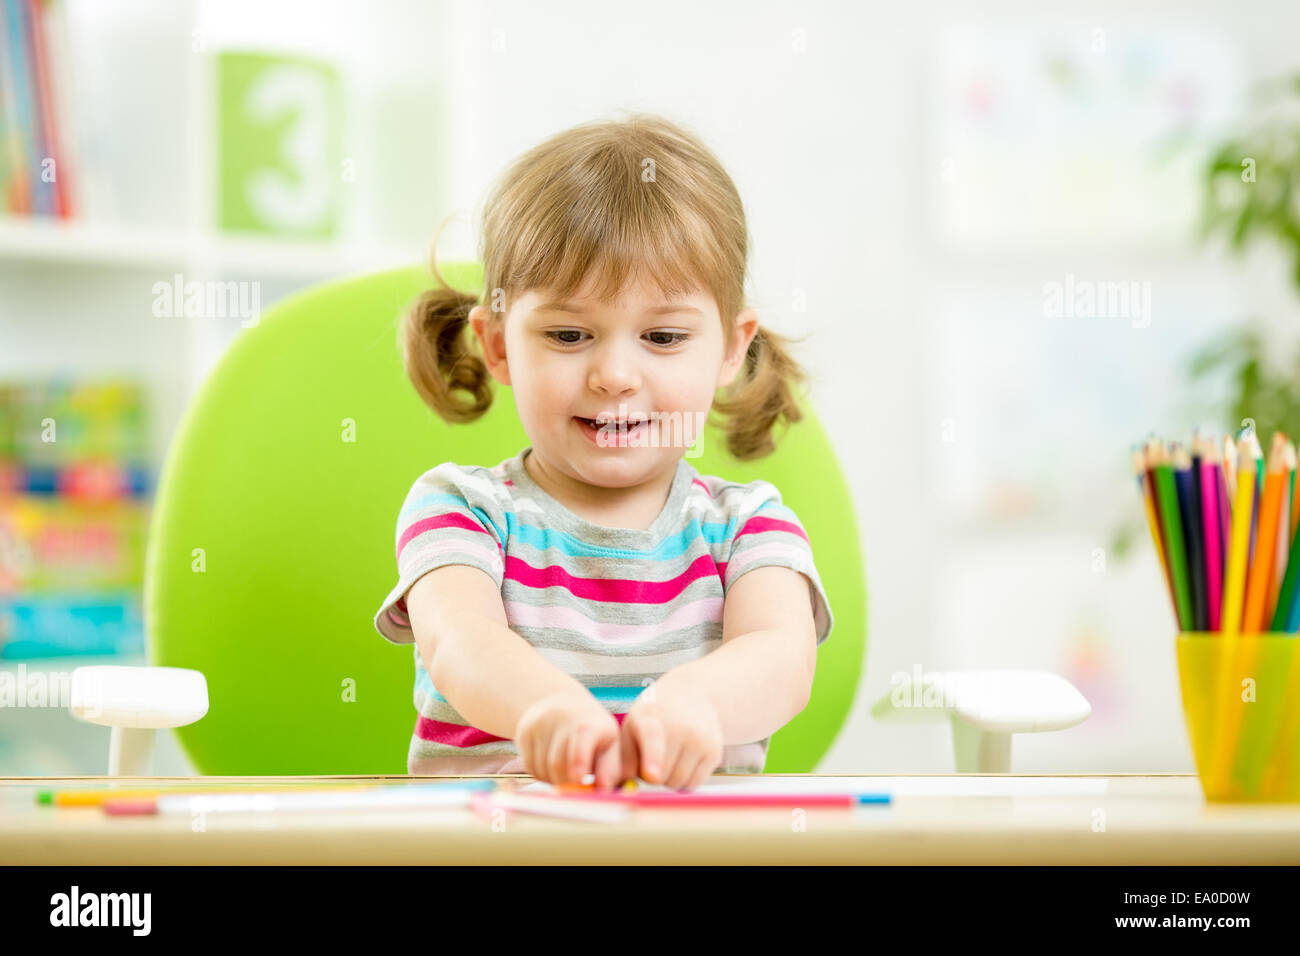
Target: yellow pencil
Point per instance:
(1234, 587)
(1230, 466)
(94, 798)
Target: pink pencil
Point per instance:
(1225, 515)
(1213, 554)
(689, 799)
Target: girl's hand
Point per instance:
(671, 735)
(565, 736)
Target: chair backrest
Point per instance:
(271, 542)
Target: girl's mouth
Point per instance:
(609, 433)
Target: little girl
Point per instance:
(586, 608)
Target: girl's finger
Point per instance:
(650, 743)
(680, 766)
(581, 744)
(608, 766)
(700, 772)
(629, 752)
(557, 757)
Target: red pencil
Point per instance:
(694, 799)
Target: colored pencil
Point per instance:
(1225, 514)
(1174, 546)
(407, 796)
(1230, 465)
(693, 799)
(1295, 512)
(1154, 453)
(1234, 587)
(1213, 534)
(1145, 489)
(1283, 532)
(1257, 455)
(1286, 616)
(95, 798)
(1261, 568)
(1189, 511)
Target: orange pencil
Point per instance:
(1141, 470)
(1261, 568)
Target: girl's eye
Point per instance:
(555, 336)
(673, 337)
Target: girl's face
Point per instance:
(638, 358)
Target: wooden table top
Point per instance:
(933, 818)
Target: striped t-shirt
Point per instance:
(616, 608)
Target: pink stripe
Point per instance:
(622, 590)
(787, 553)
(401, 620)
(571, 619)
(453, 735)
(760, 523)
(696, 481)
(447, 520)
(461, 735)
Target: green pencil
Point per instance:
(1175, 551)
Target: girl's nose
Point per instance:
(614, 371)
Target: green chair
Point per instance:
(271, 542)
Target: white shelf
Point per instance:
(79, 244)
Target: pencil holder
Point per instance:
(1241, 700)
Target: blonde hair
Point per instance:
(615, 197)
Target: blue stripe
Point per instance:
(543, 538)
(450, 503)
(424, 684)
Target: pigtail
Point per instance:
(762, 393)
(439, 356)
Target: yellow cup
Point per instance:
(1241, 700)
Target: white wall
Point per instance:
(835, 154)
(832, 151)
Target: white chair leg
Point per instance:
(130, 752)
(980, 751)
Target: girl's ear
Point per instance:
(492, 339)
(746, 328)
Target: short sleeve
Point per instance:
(450, 516)
(769, 534)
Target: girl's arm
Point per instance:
(760, 678)
(489, 673)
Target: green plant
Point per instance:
(1251, 190)
(1251, 194)
(1270, 398)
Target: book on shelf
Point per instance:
(36, 106)
(73, 518)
